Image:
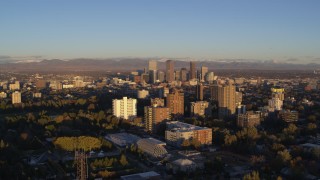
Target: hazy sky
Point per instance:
(238, 29)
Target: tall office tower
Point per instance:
(204, 71)
(175, 101)
(154, 115)
(192, 70)
(226, 97)
(124, 108)
(152, 76)
(170, 71)
(199, 92)
(209, 77)
(184, 74)
(16, 97)
(152, 65)
(161, 76)
(177, 75)
(157, 102)
(278, 93)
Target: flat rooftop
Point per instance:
(182, 127)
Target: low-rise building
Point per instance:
(152, 147)
(249, 119)
(289, 116)
(200, 108)
(176, 132)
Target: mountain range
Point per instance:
(131, 64)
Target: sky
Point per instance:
(280, 30)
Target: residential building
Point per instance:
(154, 115)
(200, 108)
(175, 102)
(124, 108)
(275, 104)
(16, 97)
(225, 95)
(176, 132)
(157, 102)
(289, 116)
(15, 86)
(142, 94)
(3, 95)
(249, 119)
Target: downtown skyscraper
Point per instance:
(169, 70)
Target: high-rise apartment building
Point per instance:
(192, 73)
(170, 71)
(175, 102)
(226, 96)
(152, 65)
(275, 104)
(154, 115)
(177, 75)
(278, 93)
(204, 71)
(199, 92)
(16, 97)
(124, 108)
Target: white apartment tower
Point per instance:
(16, 97)
(124, 108)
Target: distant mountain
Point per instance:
(131, 64)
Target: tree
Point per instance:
(284, 156)
(254, 175)
(312, 128)
(230, 139)
(123, 160)
(312, 118)
(290, 130)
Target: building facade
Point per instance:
(170, 70)
(176, 132)
(192, 74)
(16, 97)
(124, 108)
(154, 115)
(249, 119)
(175, 102)
(200, 108)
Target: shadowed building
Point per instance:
(170, 71)
(175, 102)
(225, 95)
(154, 115)
(192, 70)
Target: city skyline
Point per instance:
(210, 30)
